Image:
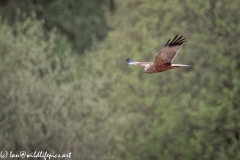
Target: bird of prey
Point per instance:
(164, 58)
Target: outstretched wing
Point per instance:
(131, 62)
(169, 52)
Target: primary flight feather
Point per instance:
(164, 58)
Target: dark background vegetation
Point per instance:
(65, 86)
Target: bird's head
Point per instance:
(148, 69)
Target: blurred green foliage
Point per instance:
(81, 21)
(40, 95)
(101, 108)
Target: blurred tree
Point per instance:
(189, 113)
(81, 21)
(109, 110)
(41, 98)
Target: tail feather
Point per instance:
(180, 65)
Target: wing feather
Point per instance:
(131, 62)
(169, 52)
(174, 39)
(179, 38)
(167, 43)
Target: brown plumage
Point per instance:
(164, 58)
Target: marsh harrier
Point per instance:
(164, 58)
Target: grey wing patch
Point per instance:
(131, 62)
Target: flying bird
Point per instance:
(164, 58)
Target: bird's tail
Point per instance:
(181, 65)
